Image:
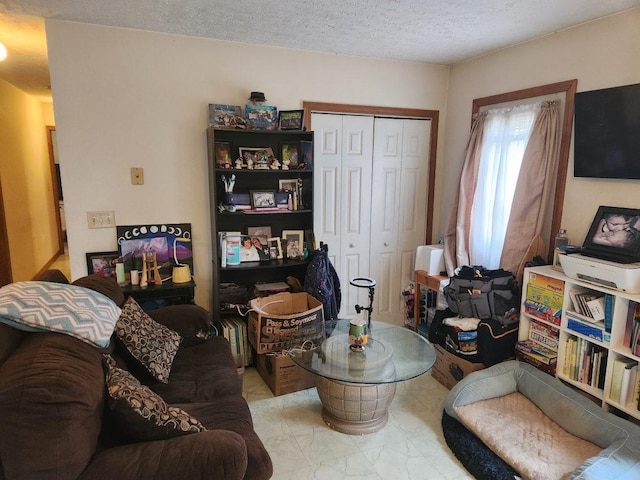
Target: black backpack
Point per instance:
(321, 282)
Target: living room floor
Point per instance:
(302, 447)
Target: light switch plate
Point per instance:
(137, 176)
(104, 219)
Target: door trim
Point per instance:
(433, 115)
(54, 190)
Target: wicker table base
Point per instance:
(355, 408)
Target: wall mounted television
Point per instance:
(607, 133)
(614, 235)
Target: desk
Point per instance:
(431, 282)
(174, 293)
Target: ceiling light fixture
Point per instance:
(3, 52)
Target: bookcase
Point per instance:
(584, 334)
(267, 179)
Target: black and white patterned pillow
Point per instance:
(149, 342)
(141, 413)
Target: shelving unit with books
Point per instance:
(589, 333)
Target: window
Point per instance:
(505, 138)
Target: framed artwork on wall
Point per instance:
(102, 263)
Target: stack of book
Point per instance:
(234, 330)
(541, 348)
(585, 362)
(588, 303)
(624, 381)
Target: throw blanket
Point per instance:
(46, 306)
(524, 437)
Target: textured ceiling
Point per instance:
(433, 31)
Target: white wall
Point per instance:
(126, 98)
(600, 54)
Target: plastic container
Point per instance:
(561, 239)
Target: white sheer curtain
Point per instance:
(505, 138)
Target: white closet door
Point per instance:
(399, 201)
(342, 196)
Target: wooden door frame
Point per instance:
(433, 115)
(569, 88)
(6, 275)
(54, 181)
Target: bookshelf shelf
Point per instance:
(587, 348)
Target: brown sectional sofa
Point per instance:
(56, 424)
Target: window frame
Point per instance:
(569, 88)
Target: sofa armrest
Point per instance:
(192, 322)
(205, 455)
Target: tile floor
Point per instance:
(302, 447)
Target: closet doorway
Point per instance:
(373, 199)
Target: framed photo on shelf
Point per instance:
(293, 243)
(263, 199)
(306, 155)
(288, 185)
(290, 119)
(261, 117)
(275, 248)
(224, 115)
(223, 154)
(258, 231)
(290, 154)
(261, 158)
(102, 263)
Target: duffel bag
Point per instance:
(481, 293)
(496, 342)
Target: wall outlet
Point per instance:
(105, 219)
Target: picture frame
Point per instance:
(291, 119)
(261, 117)
(224, 115)
(275, 248)
(293, 244)
(260, 158)
(167, 240)
(257, 231)
(102, 263)
(287, 185)
(222, 151)
(263, 199)
(290, 155)
(254, 249)
(306, 155)
(614, 235)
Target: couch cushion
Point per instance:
(142, 414)
(46, 306)
(149, 342)
(51, 406)
(105, 285)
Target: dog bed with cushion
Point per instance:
(542, 428)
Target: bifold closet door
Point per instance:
(398, 205)
(342, 198)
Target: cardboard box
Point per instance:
(449, 369)
(285, 320)
(282, 375)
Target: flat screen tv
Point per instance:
(607, 139)
(614, 235)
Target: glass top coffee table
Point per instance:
(356, 388)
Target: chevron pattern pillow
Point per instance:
(55, 307)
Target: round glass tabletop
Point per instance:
(392, 354)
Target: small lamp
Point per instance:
(369, 283)
(181, 272)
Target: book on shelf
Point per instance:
(620, 364)
(627, 389)
(633, 326)
(585, 362)
(609, 301)
(587, 303)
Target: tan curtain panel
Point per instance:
(534, 191)
(456, 238)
